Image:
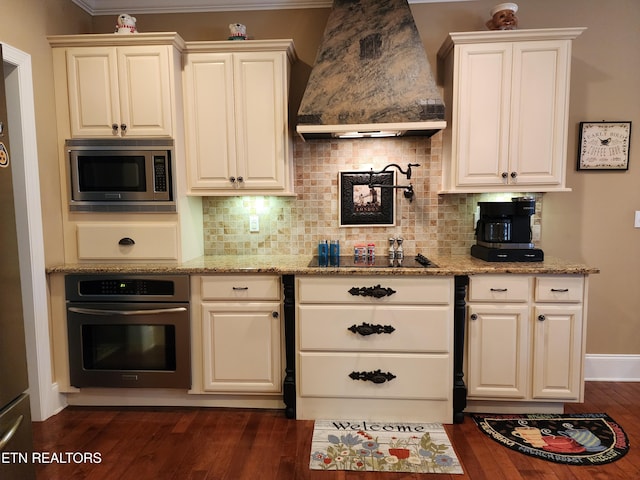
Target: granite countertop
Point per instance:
(299, 265)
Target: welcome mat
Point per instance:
(576, 439)
(382, 447)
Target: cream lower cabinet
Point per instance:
(374, 347)
(236, 110)
(509, 97)
(237, 334)
(526, 338)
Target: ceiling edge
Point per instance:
(116, 7)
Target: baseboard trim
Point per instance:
(612, 368)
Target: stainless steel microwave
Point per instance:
(125, 175)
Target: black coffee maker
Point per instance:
(503, 232)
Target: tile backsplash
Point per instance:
(430, 224)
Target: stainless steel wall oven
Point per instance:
(128, 330)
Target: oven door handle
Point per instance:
(95, 311)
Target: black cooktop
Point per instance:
(419, 261)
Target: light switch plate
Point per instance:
(254, 223)
(636, 224)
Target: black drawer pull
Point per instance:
(377, 376)
(368, 329)
(499, 289)
(126, 241)
(560, 290)
(240, 288)
(377, 291)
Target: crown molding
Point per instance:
(116, 7)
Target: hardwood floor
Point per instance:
(229, 444)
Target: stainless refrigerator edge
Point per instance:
(16, 443)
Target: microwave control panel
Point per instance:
(160, 173)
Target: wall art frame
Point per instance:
(363, 202)
(604, 145)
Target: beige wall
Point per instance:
(592, 224)
(25, 25)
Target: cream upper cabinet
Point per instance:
(121, 88)
(526, 338)
(123, 91)
(507, 97)
(236, 107)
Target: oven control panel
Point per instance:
(106, 288)
(125, 287)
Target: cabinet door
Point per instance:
(261, 104)
(93, 91)
(538, 112)
(210, 121)
(241, 345)
(557, 352)
(498, 362)
(145, 91)
(119, 91)
(481, 116)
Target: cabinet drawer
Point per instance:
(408, 329)
(556, 288)
(499, 288)
(406, 290)
(417, 376)
(121, 241)
(240, 287)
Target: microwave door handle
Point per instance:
(95, 311)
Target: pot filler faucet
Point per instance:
(408, 189)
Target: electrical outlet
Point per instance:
(636, 224)
(254, 223)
